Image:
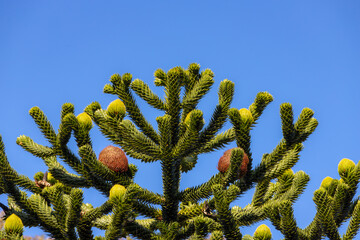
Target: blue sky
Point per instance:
(303, 52)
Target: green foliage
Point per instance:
(56, 204)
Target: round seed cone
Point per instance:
(114, 158)
(224, 163)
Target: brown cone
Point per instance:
(114, 158)
(224, 163)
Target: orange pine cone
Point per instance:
(224, 163)
(114, 158)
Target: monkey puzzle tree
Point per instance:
(56, 201)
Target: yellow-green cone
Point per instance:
(116, 108)
(13, 224)
(117, 191)
(326, 182)
(262, 232)
(246, 115)
(345, 166)
(289, 173)
(85, 121)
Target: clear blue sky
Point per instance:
(303, 52)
